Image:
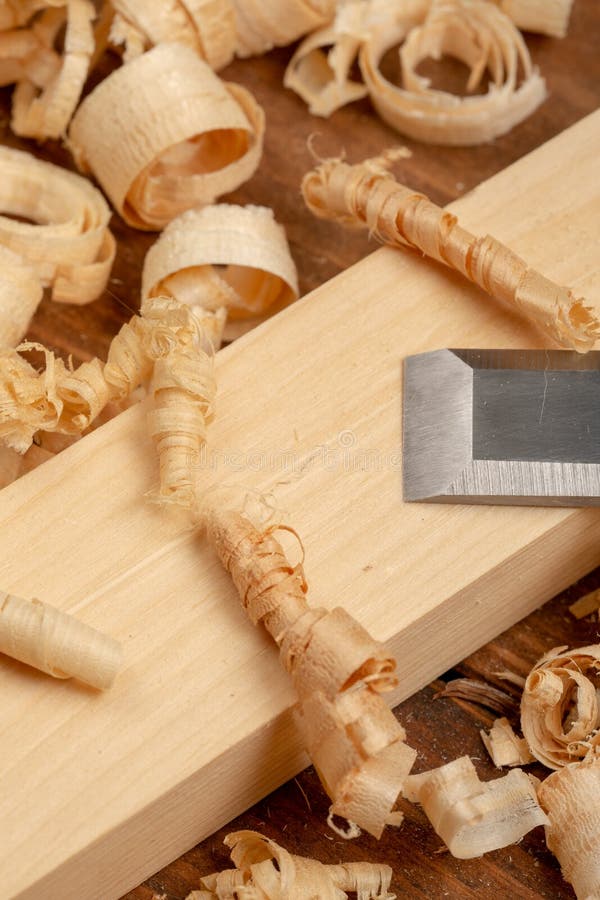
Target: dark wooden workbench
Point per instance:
(441, 729)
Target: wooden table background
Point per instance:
(441, 729)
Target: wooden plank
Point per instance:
(199, 724)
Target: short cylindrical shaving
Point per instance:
(57, 643)
(163, 134)
(224, 256)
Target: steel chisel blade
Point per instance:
(502, 426)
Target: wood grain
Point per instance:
(198, 725)
(441, 730)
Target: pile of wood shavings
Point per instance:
(175, 163)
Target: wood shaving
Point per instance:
(484, 39)
(479, 692)
(57, 643)
(20, 295)
(185, 139)
(474, 817)
(504, 746)
(544, 16)
(170, 342)
(571, 798)
(560, 712)
(337, 669)
(69, 245)
(25, 55)
(264, 24)
(586, 605)
(207, 26)
(265, 871)
(46, 113)
(323, 79)
(184, 389)
(367, 195)
(230, 257)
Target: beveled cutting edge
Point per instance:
(502, 426)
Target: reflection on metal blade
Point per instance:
(502, 426)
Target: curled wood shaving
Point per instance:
(184, 388)
(322, 78)
(586, 605)
(25, 55)
(337, 669)
(544, 16)
(367, 195)
(57, 643)
(264, 24)
(475, 32)
(18, 12)
(69, 244)
(504, 746)
(479, 692)
(168, 340)
(20, 295)
(224, 256)
(474, 817)
(560, 712)
(571, 798)
(207, 26)
(265, 871)
(186, 139)
(46, 113)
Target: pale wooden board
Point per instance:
(98, 791)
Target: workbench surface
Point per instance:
(441, 729)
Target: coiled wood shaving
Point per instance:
(20, 294)
(46, 113)
(545, 16)
(25, 54)
(207, 26)
(265, 871)
(70, 246)
(474, 31)
(163, 134)
(322, 78)
(338, 671)
(57, 643)
(367, 195)
(571, 798)
(184, 389)
(168, 340)
(229, 257)
(474, 817)
(560, 711)
(481, 36)
(264, 24)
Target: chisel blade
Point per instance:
(502, 426)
